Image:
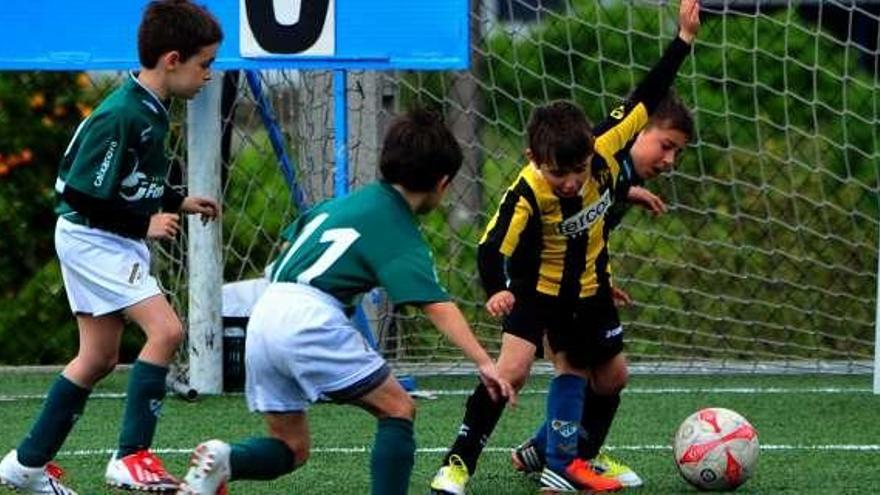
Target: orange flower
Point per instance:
(59, 111)
(22, 158)
(37, 100)
(83, 80)
(4, 170)
(47, 122)
(84, 110)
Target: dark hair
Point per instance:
(672, 113)
(559, 135)
(175, 25)
(418, 151)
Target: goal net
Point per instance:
(767, 257)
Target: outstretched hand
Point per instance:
(163, 226)
(688, 20)
(207, 208)
(621, 298)
(501, 303)
(496, 386)
(646, 199)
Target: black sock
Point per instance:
(64, 404)
(263, 458)
(599, 411)
(393, 456)
(143, 404)
(480, 418)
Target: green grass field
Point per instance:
(819, 434)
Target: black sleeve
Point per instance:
(172, 199)
(621, 203)
(490, 264)
(105, 215)
(615, 214)
(657, 82)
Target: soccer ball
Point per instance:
(716, 449)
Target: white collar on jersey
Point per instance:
(149, 91)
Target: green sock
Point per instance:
(393, 455)
(262, 458)
(143, 404)
(64, 405)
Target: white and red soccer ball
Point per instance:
(716, 449)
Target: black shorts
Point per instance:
(587, 330)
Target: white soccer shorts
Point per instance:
(301, 347)
(103, 272)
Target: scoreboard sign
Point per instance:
(270, 29)
(259, 34)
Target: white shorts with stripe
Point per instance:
(301, 347)
(103, 272)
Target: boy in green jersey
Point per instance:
(301, 345)
(112, 196)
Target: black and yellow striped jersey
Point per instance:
(625, 180)
(559, 246)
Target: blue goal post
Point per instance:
(64, 35)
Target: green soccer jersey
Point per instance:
(349, 245)
(118, 153)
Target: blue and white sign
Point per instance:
(260, 34)
(287, 28)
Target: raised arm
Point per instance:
(628, 119)
(688, 20)
(657, 82)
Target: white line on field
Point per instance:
(632, 390)
(17, 397)
(698, 390)
(440, 450)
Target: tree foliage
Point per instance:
(38, 113)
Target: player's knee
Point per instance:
(611, 383)
(517, 374)
(95, 366)
(168, 336)
(621, 378)
(404, 407)
(515, 361)
(407, 408)
(618, 384)
(175, 334)
(299, 444)
(106, 367)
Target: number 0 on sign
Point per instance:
(287, 28)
